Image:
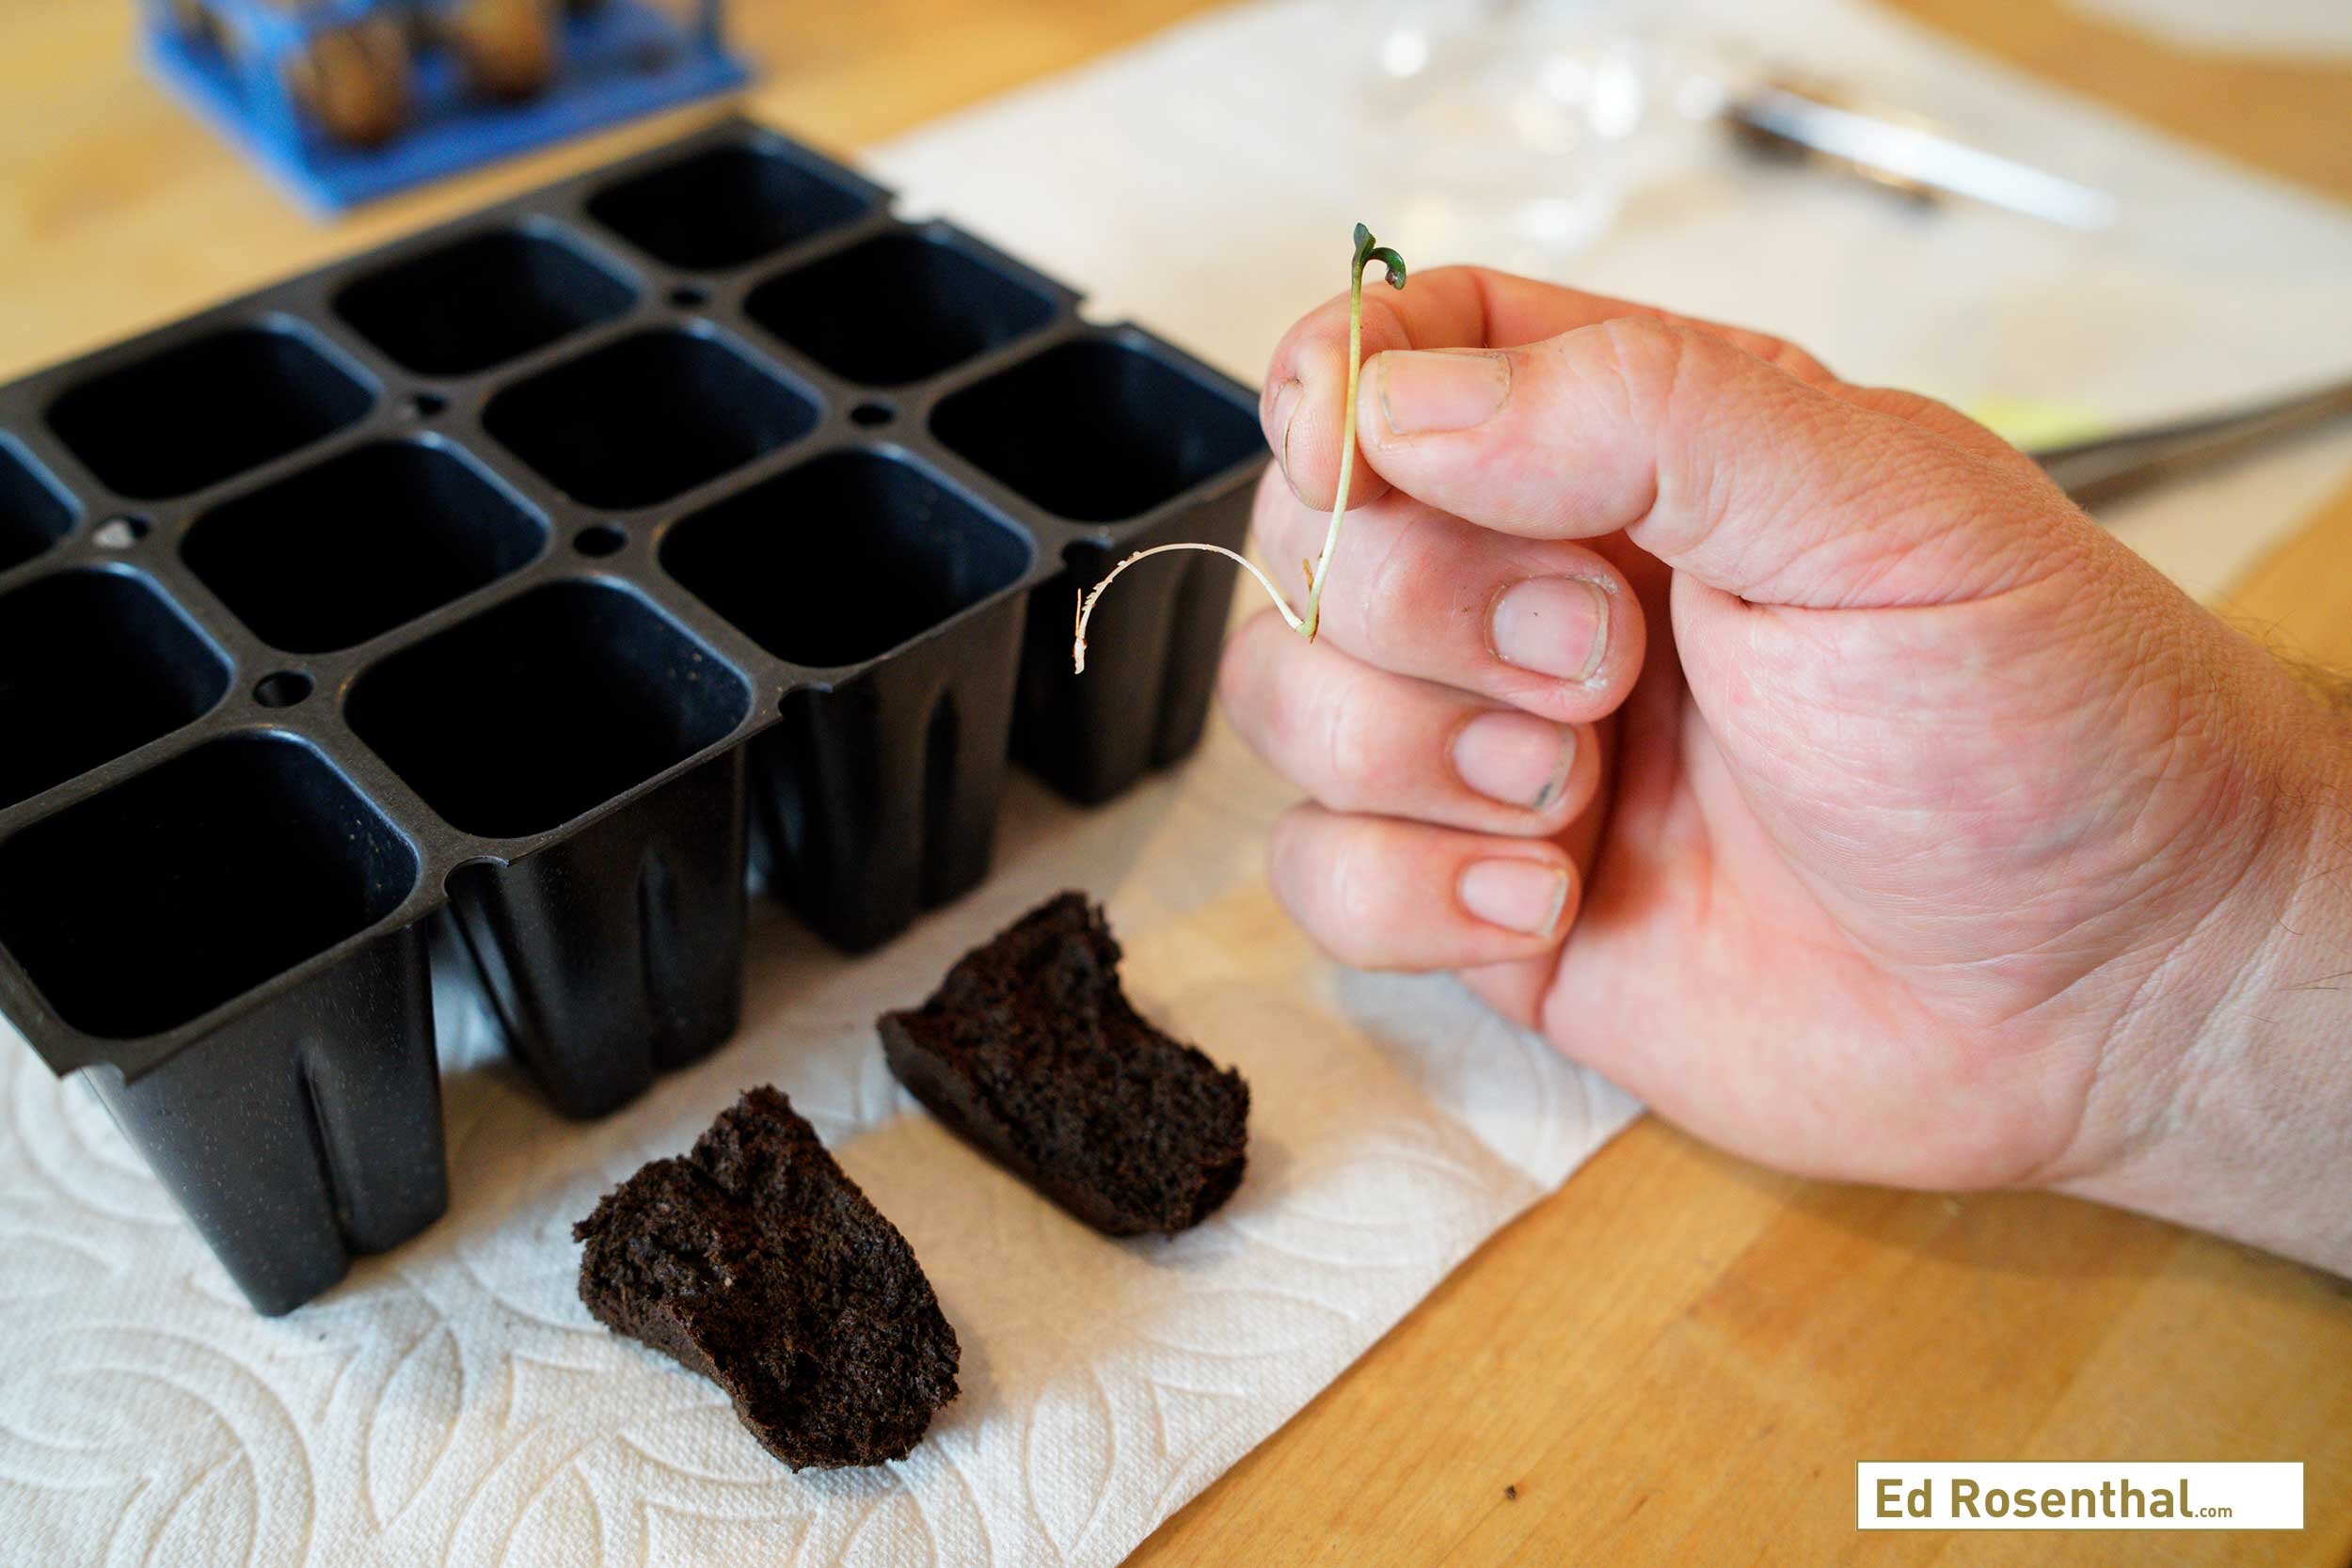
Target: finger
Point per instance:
(1516, 989)
(1306, 382)
(1379, 892)
(1638, 754)
(1360, 740)
(1726, 468)
(1548, 626)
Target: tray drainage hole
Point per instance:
(425, 404)
(602, 539)
(282, 689)
(119, 533)
(873, 413)
(688, 297)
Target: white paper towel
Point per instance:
(2292, 28)
(453, 1403)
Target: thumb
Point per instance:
(1719, 462)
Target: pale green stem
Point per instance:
(1347, 452)
(1365, 254)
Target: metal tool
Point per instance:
(1908, 155)
(2108, 467)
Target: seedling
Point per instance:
(1317, 572)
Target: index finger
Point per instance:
(1458, 306)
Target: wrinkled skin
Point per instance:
(1909, 827)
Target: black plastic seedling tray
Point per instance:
(527, 577)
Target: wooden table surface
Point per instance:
(1679, 1357)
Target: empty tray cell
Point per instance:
(1097, 430)
(896, 309)
(644, 419)
(468, 306)
(32, 515)
(723, 207)
(196, 414)
(844, 557)
(93, 664)
(363, 542)
(547, 706)
(156, 901)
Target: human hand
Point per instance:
(1796, 754)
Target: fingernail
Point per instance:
(1515, 758)
(1553, 626)
(1286, 400)
(1422, 392)
(1518, 896)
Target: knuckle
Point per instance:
(1938, 418)
(1352, 745)
(1306, 867)
(1648, 357)
(1400, 585)
(1773, 350)
(1265, 700)
(1283, 858)
(1782, 354)
(1241, 669)
(1236, 678)
(1352, 860)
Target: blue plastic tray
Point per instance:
(620, 60)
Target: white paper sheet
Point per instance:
(452, 1403)
(2289, 29)
(1205, 184)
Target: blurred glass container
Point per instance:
(1515, 129)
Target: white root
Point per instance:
(1086, 600)
(1317, 571)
